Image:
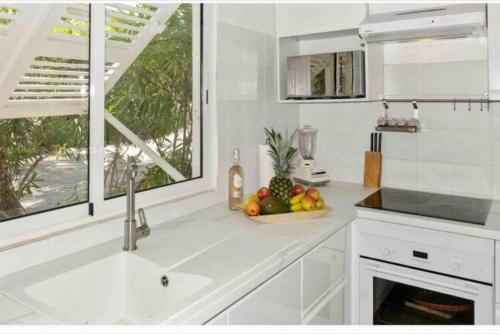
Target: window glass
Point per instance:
(44, 80)
(152, 113)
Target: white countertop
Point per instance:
(237, 253)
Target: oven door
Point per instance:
(398, 295)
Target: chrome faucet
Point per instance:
(132, 232)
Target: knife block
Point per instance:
(373, 169)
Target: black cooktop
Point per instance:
(458, 208)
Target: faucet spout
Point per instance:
(132, 232)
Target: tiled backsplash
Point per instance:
(455, 151)
(246, 90)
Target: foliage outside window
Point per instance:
(154, 98)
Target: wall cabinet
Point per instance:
(311, 291)
(301, 19)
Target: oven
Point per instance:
(414, 276)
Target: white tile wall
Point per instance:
(456, 151)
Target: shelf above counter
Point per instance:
(404, 129)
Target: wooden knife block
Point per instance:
(373, 169)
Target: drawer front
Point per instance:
(323, 268)
(331, 312)
(276, 302)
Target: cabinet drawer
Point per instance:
(276, 302)
(331, 312)
(323, 268)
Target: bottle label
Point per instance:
(237, 181)
(237, 194)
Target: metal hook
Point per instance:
(454, 105)
(470, 101)
(386, 108)
(481, 105)
(415, 109)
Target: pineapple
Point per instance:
(283, 154)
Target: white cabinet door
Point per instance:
(494, 49)
(276, 302)
(323, 269)
(331, 310)
(324, 279)
(301, 19)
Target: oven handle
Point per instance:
(423, 280)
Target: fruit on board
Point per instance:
(297, 207)
(308, 203)
(282, 154)
(313, 193)
(296, 199)
(263, 193)
(298, 189)
(272, 205)
(252, 199)
(252, 209)
(320, 203)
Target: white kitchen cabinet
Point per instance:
(331, 311)
(312, 290)
(301, 19)
(494, 50)
(276, 302)
(323, 269)
(324, 281)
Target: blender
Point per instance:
(308, 171)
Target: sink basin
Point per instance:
(120, 289)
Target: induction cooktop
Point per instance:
(457, 208)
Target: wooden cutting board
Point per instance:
(292, 216)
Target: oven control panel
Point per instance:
(436, 251)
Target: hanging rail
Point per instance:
(441, 100)
(454, 101)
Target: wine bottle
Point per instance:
(235, 196)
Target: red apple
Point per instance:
(252, 209)
(263, 193)
(313, 193)
(298, 189)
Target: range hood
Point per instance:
(449, 21)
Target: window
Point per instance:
(43, 108)
(152, 107)
(149, 95)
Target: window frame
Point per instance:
(36, 225)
